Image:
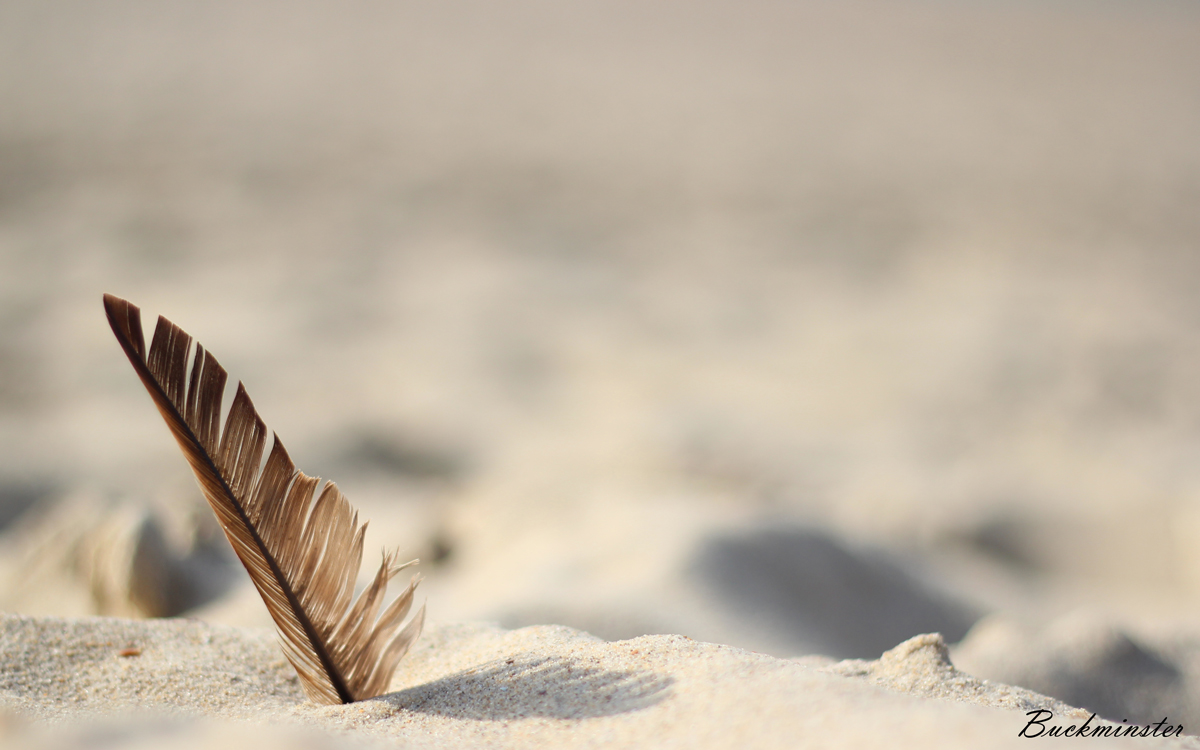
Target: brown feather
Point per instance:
(303, 556)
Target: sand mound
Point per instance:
(1089, 661)
(123, 683)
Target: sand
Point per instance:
(799, 328)
(101, 682)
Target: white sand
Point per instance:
(474, 685)
(798, 327)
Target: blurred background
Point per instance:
(800, 326)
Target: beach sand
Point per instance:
(475, 685)
(803, 329)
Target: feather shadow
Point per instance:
(525, 686)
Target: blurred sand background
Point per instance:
(801, 327)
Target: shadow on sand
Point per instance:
(822, 595)
(526, 686)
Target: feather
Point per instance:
(302, 555)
